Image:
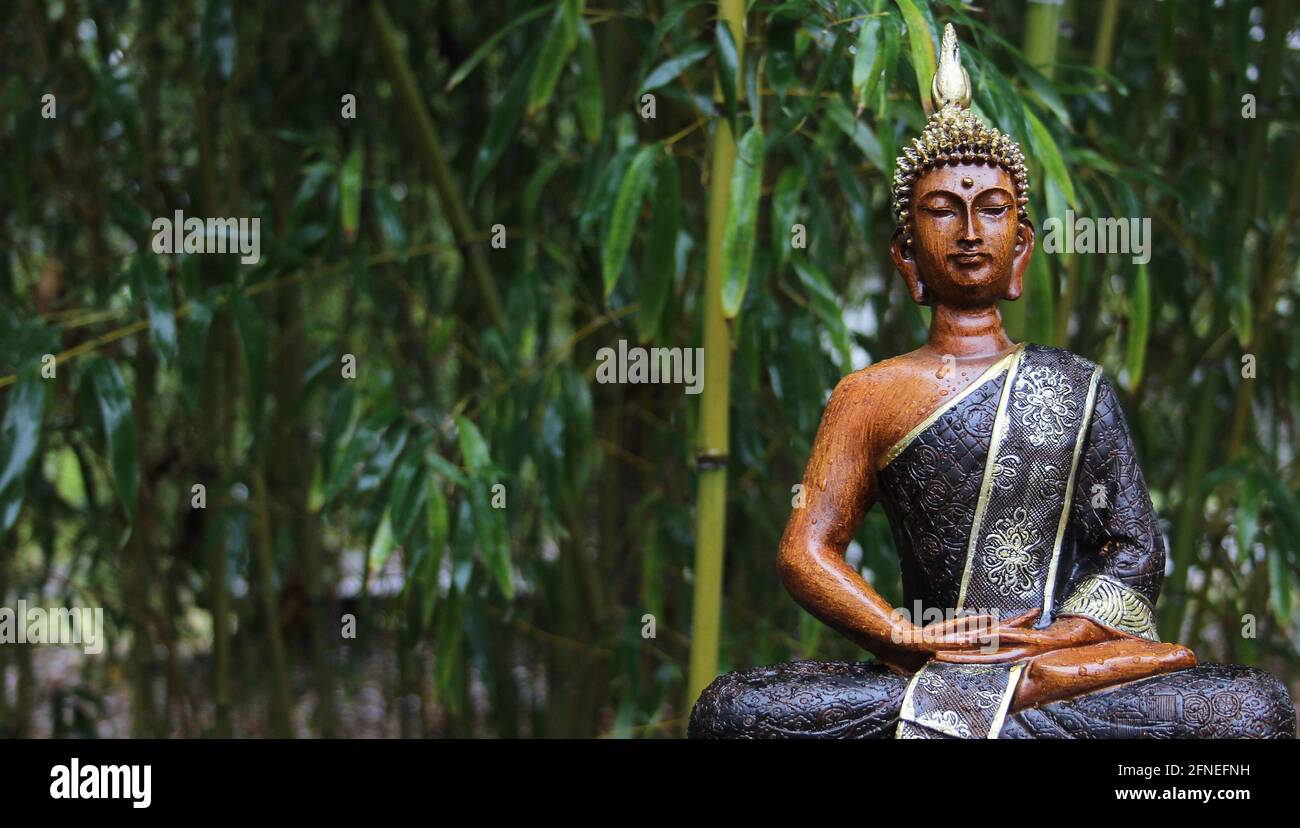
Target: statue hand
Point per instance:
(967, 632)
(1016, 640)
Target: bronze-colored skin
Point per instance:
(968, 251)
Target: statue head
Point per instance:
(960, 190)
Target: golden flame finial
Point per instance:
(954, 135)
(951, 84)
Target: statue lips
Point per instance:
(969, 259)
(970, 268)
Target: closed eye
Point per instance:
(995, 212)
(939, 211)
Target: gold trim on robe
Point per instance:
(1069, 490)
(986, 485)
(1018, 529)
(1112, 604)
(988, 374)
(958, 701)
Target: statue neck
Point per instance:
(968, 332)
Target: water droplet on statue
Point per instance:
(821, 484)
(1083, 671)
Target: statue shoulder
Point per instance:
(1048, 353)
(866, 383)
(1108, 403)
(858, 397)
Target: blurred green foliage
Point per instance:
(376, 494)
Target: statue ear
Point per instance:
(1024, 249)
(901, 252)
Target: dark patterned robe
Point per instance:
(1022, 492)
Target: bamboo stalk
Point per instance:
(1042, 27)
(280, 703)
(429, 147)
(712, 442)
(1042, 24)
(1103, 48)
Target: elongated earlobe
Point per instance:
(901, 252)
(1023, 251)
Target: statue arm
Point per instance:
(1120, 557)
(839, 487)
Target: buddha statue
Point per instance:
(1020, 516)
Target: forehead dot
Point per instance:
(968, 182)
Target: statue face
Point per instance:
(968, 246)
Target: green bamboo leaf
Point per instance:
(830, 61)
(383, 543)
(340, 421)
(879, 83)
(1045, 90)
(561, 38)
(489, 523)
(252, 339)
(728, 62)
(149, 281)
(1001, 98)
(742, 220)
(1139, 327)
(473, 448)
(504, 121)
(352, 448)
(113, 403)
(382, 459)
(1049, 155)
(590, 99)
(825, 305)
(866, 59)
(622, 219)
(667, 71)
(920, 43)
(440, 465)
(350, 191)
(785, 211)
(463, 71)
(406, 496)
(656, 282)
(858, 132)
(537, 185)
(20, 433)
